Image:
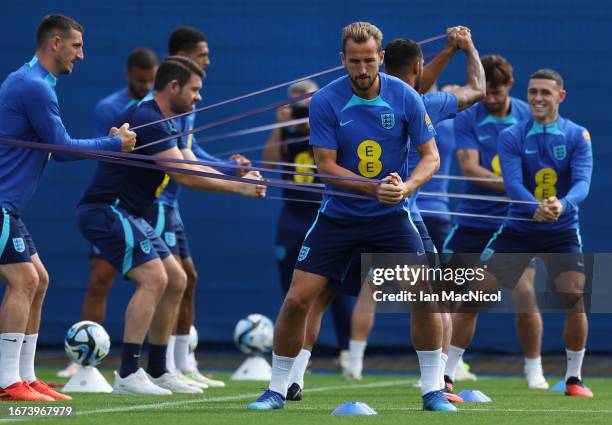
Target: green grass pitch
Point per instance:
(393, 396)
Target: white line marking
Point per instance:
(154, 406)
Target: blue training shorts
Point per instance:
(123, 239)
(167, 223)
(16, 244)
(561, 252)
(331, 242)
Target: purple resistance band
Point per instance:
(268, 89)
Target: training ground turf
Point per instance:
(393, 396)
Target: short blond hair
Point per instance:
(360, 32)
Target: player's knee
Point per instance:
(101, 280)
(523, 293)
(26, 284)
(297, 303)
(43, 282)
(155, 281)
(177, 281)
(192, 274)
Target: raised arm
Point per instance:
(475, 88)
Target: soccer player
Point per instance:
(476, 133)
(164, 217)
(296, 217)
(439, 225)
(403, 59)
(359, 124)
(29, 111)
(547, 159)
(110, 216)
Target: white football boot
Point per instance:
(172, 381)
(138, 383)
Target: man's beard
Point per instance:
(354, 81)
(135, 93)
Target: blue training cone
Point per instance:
(474, 396)
(354, 408)
(559, 387)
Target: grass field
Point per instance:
(393, 396)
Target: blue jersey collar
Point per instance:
(377, 101)
(538, 128)
(47, 76)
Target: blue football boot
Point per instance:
(435, 401)
(269, 400)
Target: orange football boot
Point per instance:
(575, 387)
(21, 391)
(43, 388)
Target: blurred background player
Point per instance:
(547, 159)
(476, 133)
(140, 76)
(29, 111)
(296, 217)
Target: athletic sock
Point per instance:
(356, 353)
(281, 366)
(429, 362)
(455, 354)
(533, 366)
(157, 360)
(299, 368)
(26, 358)
(193, 363)
(443, 360)
(10, 349)
(170, 364)
(129, 359)
(574, 363)
(181, 353)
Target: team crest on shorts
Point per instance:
(145, 245)
(19, 244)
(560, 152)
(387, 121)
(170, 238)
(303, 253)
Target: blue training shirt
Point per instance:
(169, 191)
(445, 140)
(134, 187)
(539, 161)
(29, 111)
(109, 109)
(371, 137)
(440, 106)
(476, 129)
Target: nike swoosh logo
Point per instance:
(483, 138)
(580, 264)
(9, 340)
(343, 123)
(530, 152)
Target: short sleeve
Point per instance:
(420, 127)
(465, 137)
(322, 124)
